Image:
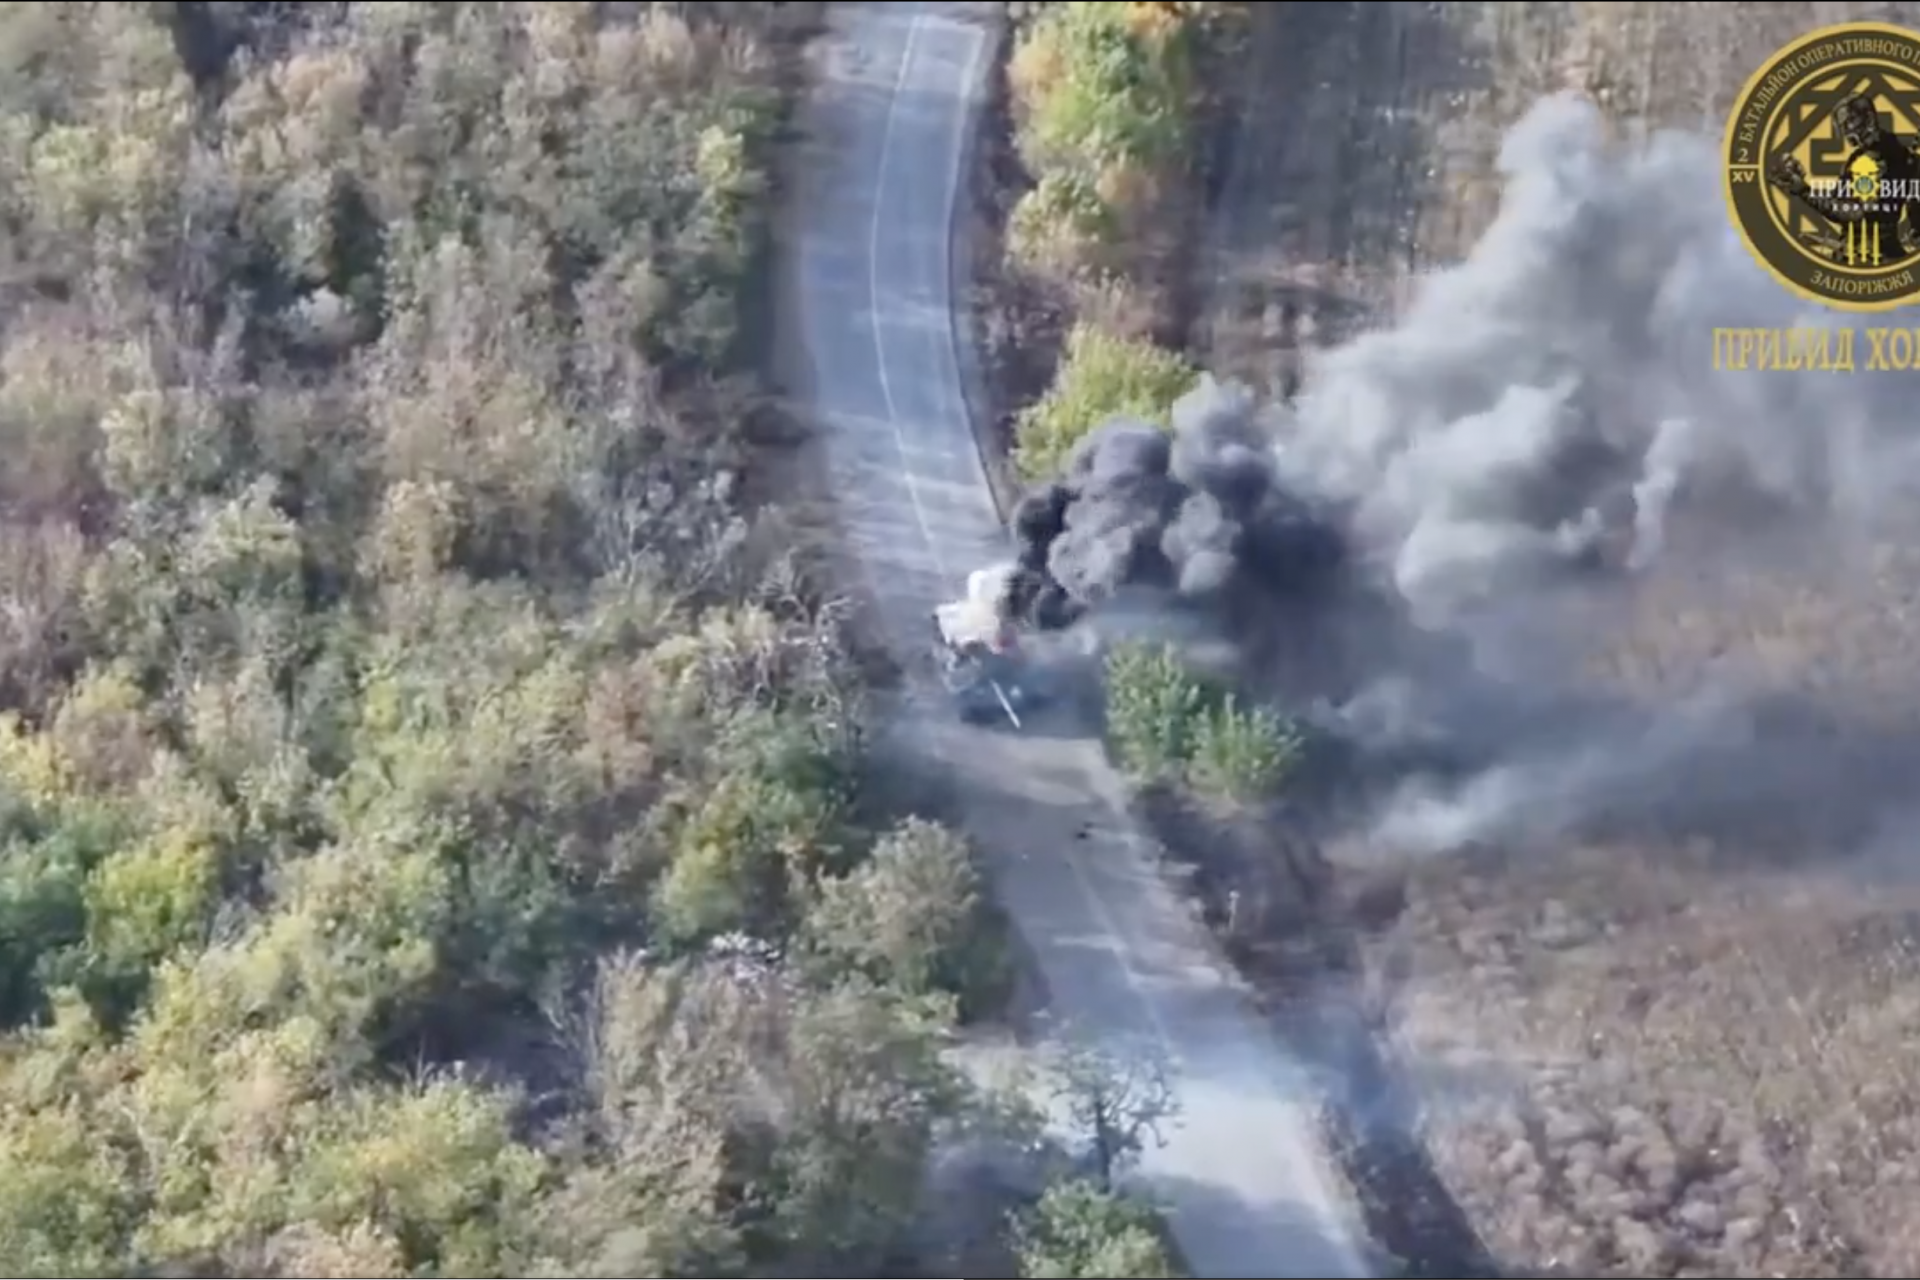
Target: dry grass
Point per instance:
(1699, 1042)
(1635, 1065)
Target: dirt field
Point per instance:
(1370, 132)
(1673, 1054)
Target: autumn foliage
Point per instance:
(419, 774)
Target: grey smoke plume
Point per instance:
(1542, 426)
(1200, 514)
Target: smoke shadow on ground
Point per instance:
(1206, 1204)
(1372, 1117)
(1057, 719)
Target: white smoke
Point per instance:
(1578, 338)
(1558, 388)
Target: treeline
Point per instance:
(1105, 99)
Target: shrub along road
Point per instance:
(1241, 1173)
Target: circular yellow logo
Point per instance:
(1823, 166)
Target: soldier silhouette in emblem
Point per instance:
(1878, 157)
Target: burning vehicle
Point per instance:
(981, 661)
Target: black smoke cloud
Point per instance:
(1542, 429)
(1199, 515)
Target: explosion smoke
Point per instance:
(1199, 513)
(1544, 421)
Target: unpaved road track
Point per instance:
(898, 87)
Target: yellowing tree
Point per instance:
(1100, 91)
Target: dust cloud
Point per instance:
(1420, 551)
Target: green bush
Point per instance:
(752, 832)
(1080, 1229)
(1100, 376)
(1153, 707)
(1167, 724)
(1053, 222)
(1240, 753)
(914, 918)
(1120, 93)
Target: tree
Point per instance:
(1154, 707)
(868, 1095)
(913, 917)
(720, 1077)
(1240, 753)
(1114, 1101)
(1101, 96)
(1082, 1229)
